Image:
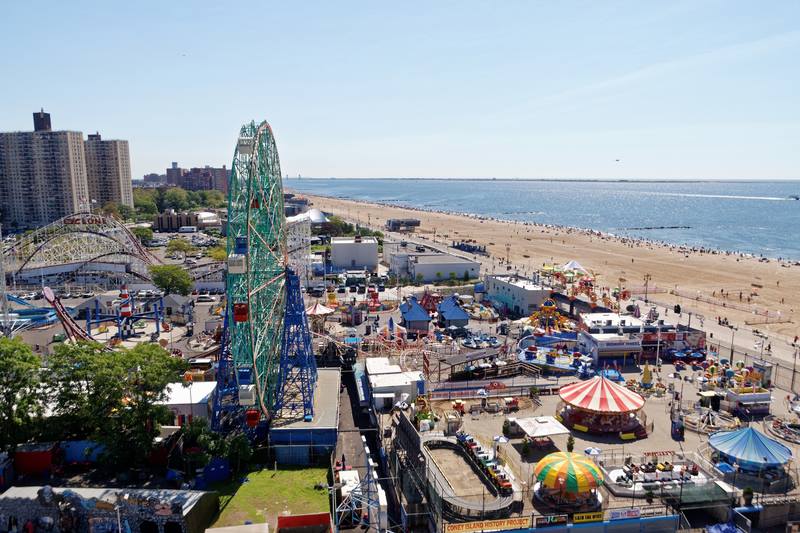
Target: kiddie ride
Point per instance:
(127, 316)
(547, 319)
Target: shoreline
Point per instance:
(768, 285)
(687, 248)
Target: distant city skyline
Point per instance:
(613, 90)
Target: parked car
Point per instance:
(341, 289)
(381, 287)
(317, 292)
(205, 298)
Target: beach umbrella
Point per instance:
(568, 472)
(591, 451)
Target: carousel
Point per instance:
(599, 405)
(568, 481)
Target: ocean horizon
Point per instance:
(746, 216)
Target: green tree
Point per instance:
(20, 401)
(85, 390)
(177, 199)
(570, 443)
(438, 276)
(466, 275)
(180, 245)
(126, 212)
(419, 279)
(171, 279)
(143, 234)
(452, 276)
(144, 201)
(213, 199)
(111, 209)
(111, 397)
(238, 450)
(217, 253)
(148, 370)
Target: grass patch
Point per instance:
(267, 494)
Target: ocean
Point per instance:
(750, 217)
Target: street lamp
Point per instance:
(733, 332)
(647, 278)
(794, 366)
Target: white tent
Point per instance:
(574, 266)
(537, 427)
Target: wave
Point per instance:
(724, 196)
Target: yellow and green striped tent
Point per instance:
(568, 472)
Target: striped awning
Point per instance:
(601, 395)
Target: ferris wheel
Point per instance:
(256, 279)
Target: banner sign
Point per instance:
(550, 520)
(596, 516)
(489, 525)
(622, 514)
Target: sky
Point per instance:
(603, 90)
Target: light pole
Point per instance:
(733, 332)
(647, 278)
(794, 366)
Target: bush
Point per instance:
(570, 443)
(506, 428)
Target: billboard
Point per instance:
(489, 525)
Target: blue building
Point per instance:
(414, 317)
(451, 313)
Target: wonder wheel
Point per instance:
(256, 279)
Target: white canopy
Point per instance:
(541, 426)
(318, 310)
(575, 267)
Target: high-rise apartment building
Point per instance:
(42, 175)
(108, 171)
(174, 174)
(46, 175)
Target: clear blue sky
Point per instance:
(686, 89)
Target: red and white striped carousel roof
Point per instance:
(601, 395)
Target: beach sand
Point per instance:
(690, 273)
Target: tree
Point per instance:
(147, 369)
(438, 276)
(570, 443)
(419, 278)
(20, 401)
(126, 212)
(238, 450)
(111, 209)
(452, 276)
(217, 253)
(144, 200)
(180, 245)
(176, 198)
(171, 279)
(143, 234)
(111, 397)
(466, 275)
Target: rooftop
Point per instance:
(381, 365)
(437, 259)
(400, 379)
(326, 404)
(194, 392)
(352, 240)
(522, 283)
(609, 319)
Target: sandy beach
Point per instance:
(677, 274)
